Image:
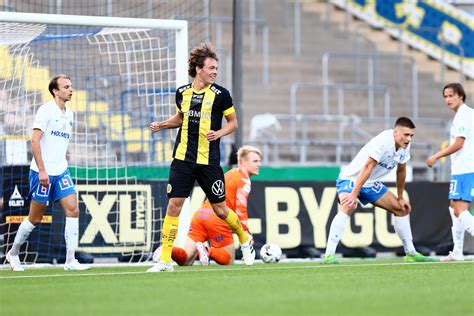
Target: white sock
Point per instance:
(403, 229)
(71, 234)
(457, 231)
(21, 236)
(467, 221)
(335, 232)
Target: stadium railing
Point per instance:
(331, 140)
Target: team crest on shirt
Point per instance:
(377, 186)
(66, 124)
(208, 104)
(169, 188)
(247, 188)
(65, 183)
(42, 191)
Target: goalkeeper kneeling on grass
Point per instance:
(207, 226)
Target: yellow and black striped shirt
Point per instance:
(202, 111)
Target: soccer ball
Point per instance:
(270, 253)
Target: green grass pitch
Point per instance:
(362, 287)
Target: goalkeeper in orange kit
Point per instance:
(207, 226)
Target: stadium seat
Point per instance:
(164, 151)
(93, 120)
(6, 62)
(137, 147)
(98, 106)
(96, 114)
(78, 102)
(47, 96)
(36, 78)
(137, 139)
(116, 124)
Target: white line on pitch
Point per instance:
(236, 268)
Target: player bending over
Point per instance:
(359, 181)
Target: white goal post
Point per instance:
(180, 26)
(124, 72)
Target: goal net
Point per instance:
(124, 73)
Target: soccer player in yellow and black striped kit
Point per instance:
(196, 156)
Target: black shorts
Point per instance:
(183, 174)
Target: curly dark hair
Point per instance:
(198, 55)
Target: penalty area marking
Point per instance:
(234, 268)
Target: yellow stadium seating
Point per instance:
(99, 106)
(137, 139)
(6, 63)
(78, 102)
(116, 124)
(93, 121)
(47, 96)
(36, 79)
(165, 149)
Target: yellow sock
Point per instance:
(168, 235)
(233, 221)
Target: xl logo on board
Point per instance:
(119, 218)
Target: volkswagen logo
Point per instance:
(218, 188)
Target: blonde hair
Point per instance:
(244, 151)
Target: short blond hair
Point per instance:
(245, 150)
